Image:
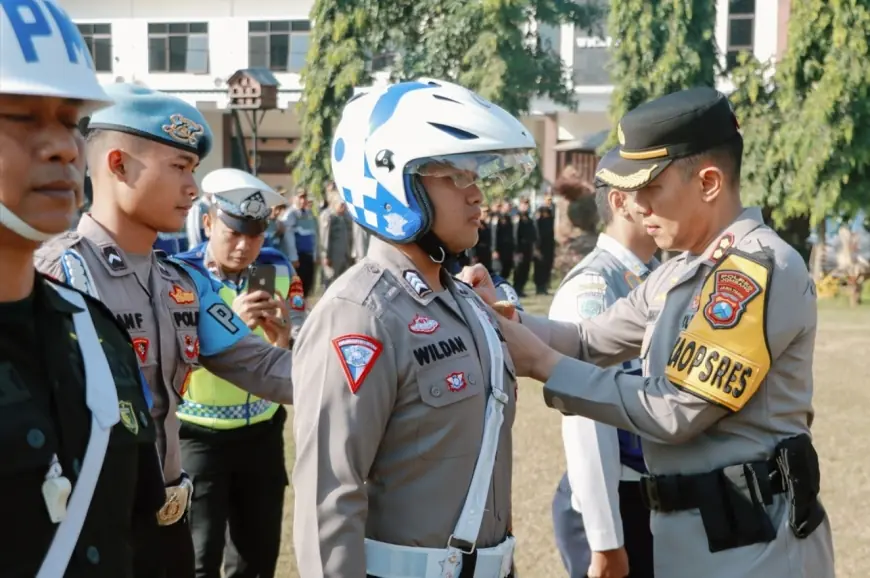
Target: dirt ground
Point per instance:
(841, 399)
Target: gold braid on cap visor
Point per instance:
(632, 181)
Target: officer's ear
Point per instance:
(712, 181)
(207, 223)
(616, 199)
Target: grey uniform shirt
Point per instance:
(385, 449)
(336, 237)
(159, 306)
(683, 433)
(592, 449)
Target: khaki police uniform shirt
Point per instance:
(161, 313)
(392, 461)
(684, 434)
(336, 237)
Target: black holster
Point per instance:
(732, 501)
(732, 506)
(798, 463)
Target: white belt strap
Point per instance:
(468, 526)
(102, 399)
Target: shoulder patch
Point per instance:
(77, 273)
(416, 282)
(357, 354)
(590, 304)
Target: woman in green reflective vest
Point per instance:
(232, 442)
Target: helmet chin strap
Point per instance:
(11, 221)
(433, 246)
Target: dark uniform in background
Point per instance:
(546, 247)
(526, 237)
(482, 252)
(44, 416)
(505, 243)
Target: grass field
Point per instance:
(841, 430)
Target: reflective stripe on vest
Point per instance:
(215, 403)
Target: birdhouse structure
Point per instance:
(253, 89)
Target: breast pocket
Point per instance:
(453, 400)
(28, 441)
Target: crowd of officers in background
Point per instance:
(516, 240)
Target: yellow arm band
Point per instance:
(723, 354)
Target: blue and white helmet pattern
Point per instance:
(388, 134)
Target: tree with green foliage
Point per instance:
(336, 65)
(659, 47)
(487, 46)
(808, 132)
(823, 99)
(492, 47)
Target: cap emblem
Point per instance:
(183, 130)
(254, 207)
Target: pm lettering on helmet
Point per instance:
(29, 21)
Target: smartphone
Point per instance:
(262, 278)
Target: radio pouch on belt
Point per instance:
(733, 509)
(799, 465)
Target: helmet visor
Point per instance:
(488, 170)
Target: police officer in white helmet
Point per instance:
(406, 395)
(80, 473)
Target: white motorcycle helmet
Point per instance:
(390, 136)
(42, 53)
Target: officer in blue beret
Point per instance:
(141, 156)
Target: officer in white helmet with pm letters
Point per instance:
(80, 473)
(407, 394)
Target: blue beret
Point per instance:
(154, 115)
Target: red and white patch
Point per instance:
(423, 324)
(456, 381)
(140, 346)
(296, 295)
(358, 354)
(191, 347)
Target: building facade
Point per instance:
(191, 48)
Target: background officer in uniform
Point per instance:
(141, 155)
(726, 331)
(400, 362)
(601, 524)
(232, 442)
(79, 475)
(336, 239)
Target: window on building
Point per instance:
(278, 45)
(741, 30)
(178, 47)
(592, 50)
(98, 37)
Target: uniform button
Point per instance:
(143, 418)
(77, 466)
(93, 555)
(558, 404)
(435, 391)
(471, 380)
(36, 438)
(374, 269)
